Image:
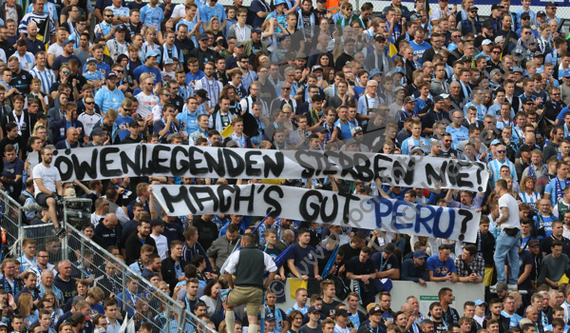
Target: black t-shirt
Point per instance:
(439, 327)
(208, 232)
(22, 82)
(128, 139)
(16, 143)
(307, 329)
(329, 309)
(355, 267)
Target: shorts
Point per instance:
(251, 296)
(41, 199)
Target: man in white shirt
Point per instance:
(118, 45)
(56, 49)
(508, 242)
(157, 227)
(146, 98)
(47, 184)
(210, 84)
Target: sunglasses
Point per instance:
(128, 110)
(66, 72)
(501, 151)
(109, 15)
(285, 88)
(167, 95)
(89, 103)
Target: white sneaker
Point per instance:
(513, 287)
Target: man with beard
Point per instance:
(439, 325)
(135, 241)
(47, 181)
(266, 89)
(203, 53)
(183, 43)
(212, 86)
(109, 97)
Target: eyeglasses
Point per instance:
(109, 15)
(66, 72)
(555, 94)
(286, 88)
(129, 110)
(89, 103)
(501, 151)
(167, 95)
(496, 52)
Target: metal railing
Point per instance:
(92, 262)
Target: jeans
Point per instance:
(507, 247)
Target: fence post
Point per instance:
(64, 248)
(82, 256)
(181, 319)
(124, 288)
(21, 231)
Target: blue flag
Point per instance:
(330, 263)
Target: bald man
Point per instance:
(34, 45)
(71, 139)
(107, 229)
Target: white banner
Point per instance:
(320, 206)
(136, 160)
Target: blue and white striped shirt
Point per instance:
(38, 19)
(495, 166)
(46, 76)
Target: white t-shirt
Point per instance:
(146, 103)
(161, 245)
(513, 221)
(55, 49)
(89, 121)
(48, 176)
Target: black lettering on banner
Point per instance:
(178, 172)
(128, 164)
(480, 168)
(250, 169)
(248, 199)
(379, 168)
(467, 217)
(195, 160)
(404, 172)
(82, 167)
(182, 196)
(157, 162)
(434, 177)
(348, 197)
(105, 170)
(309, 170)
(234, 163)
(226, 202)
(329, 167)
(146, 168)
(362, 166)
(270, 200)
(274, 168)
(216, 165)
(64, 160)
(314, 214)
(195, 191)
(347, 165)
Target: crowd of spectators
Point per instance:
(427, 81)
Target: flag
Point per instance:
(44, 31)
(330, 263)
(227, 132)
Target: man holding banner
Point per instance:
(248, 285)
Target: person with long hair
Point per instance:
(26, 309)
(212, 297)
(295, 319)
(214, 27)
(528, 194)
(143, 314)
(149, 45)
(165, 26)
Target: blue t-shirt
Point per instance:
(420, 49)
(102, 67)
(159, 126)
(109, 99)
(152, 17)
(154, 73)
(61, 61)
(439, 268)
(458, 135)
(123, 123)
(194, 77)
(207, 12)
(303, 259)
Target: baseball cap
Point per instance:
(97, 131)
(322, 1)
(437, 98)
(501, 286)
(313, 309)
(487, 42)
(444, 95)
(551, 4)
(203, 37)
(527, 100)
(269, 316)
(134, 123)
(420, 254)
(488, 25)
(256, 29)
(110, 74)
(373, 72)
(203, 94)
(533, 242)
(495, 142)
(316, 68)
(231, 143)
(525, 15)
(398, 88)
(91, 60)
(417, 150)
(319, 129)
(389, 248)
(415, 16)
(238, 44)
(480, 302)
(540, 13)
(350, 142)
(168, 61)
(409, 99)
(496, 6)
(152, 53)
(279, 2)
(374, 310)
(538, 54)
(499, 39)
(8, 173)
(525, 148)
(472, 8)
(121, 27)
(355, 130)
(398, 70)
(283, 37)
(67, 41)
(380, 39)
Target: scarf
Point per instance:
(218, 125)
(213, 90)
(278, 318)
(8, 288)
(531, 171)
(558, 193)
(175, 53)
(301, 23)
